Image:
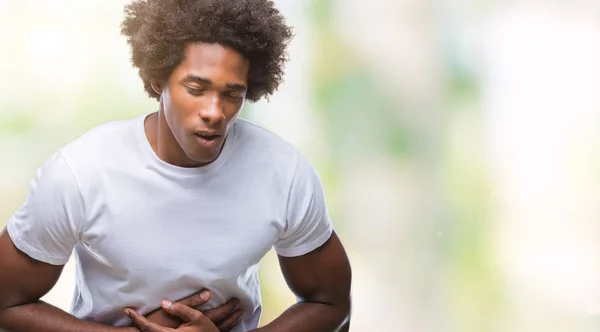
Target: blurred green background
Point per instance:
(457, 140)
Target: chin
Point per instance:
(202, 158)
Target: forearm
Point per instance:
(311, 317)
(43, 317)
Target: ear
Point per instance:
(157, 87)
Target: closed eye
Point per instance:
(235, 96)
(196, 92)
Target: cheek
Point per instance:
(170, 104)
(177, 104)
(234, 111)
(241, 107)
(232, 120)
(176, 116)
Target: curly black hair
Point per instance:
(159, 30)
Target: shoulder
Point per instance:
(260, 144)
(101, 147)
(261, 153)
(101, 136)
(255, 134)
(268, 152)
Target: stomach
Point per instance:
(101, 298)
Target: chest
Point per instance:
(201, 232)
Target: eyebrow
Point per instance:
(202, 80)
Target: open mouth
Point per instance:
(207, 139)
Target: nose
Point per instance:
(212, 112)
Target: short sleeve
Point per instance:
(47, 226)
(309, 225)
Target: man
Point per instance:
(184, 199)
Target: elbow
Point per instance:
(336, 308)
(10, 300)
(5, 303)
(343, 305)
(344, 311)
(4, 306)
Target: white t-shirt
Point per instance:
(143, 230)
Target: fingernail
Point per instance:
(205, 294)
(167, 303)
(128, 312)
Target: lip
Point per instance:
(208, 143)
(208, 133)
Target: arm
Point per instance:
(321, 281)
(43, 233)
(23, 281)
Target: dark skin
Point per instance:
(23, 281)
(206, 93)
(198, 106)
(320, 279)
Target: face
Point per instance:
(202, 100)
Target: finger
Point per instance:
(141, 322)
(182, 311)
(232, 321)
(197, 299)
(223, 312)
